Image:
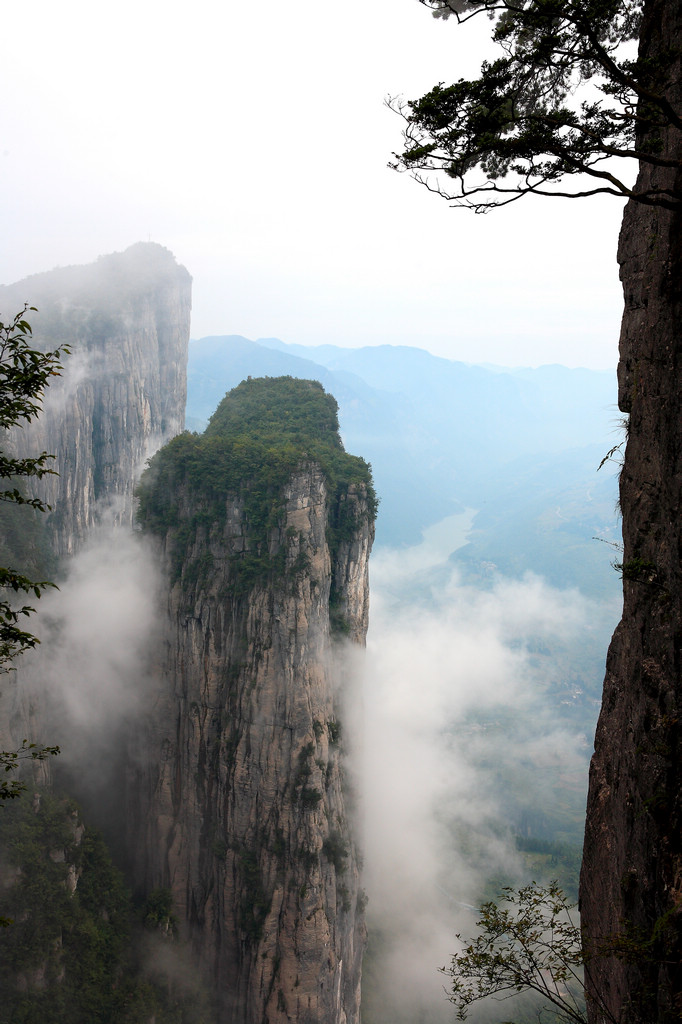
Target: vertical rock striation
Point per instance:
(121, 396)
(123, 390)
(240, 799)
(631, 884)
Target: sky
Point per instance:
(252, 140)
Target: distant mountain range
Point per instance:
(521, 446)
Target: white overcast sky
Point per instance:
(251, 139)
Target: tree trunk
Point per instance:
(631, 882)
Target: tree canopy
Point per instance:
(566, 97)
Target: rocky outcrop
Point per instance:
(631, 885)
(241, 802)
(123, 390)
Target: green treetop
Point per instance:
(263, 431)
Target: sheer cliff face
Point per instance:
(123, 390)
(122, 395)
(632, 870)
(242, 802)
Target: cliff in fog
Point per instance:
(123, 390)
(69, 953)
(121, 395)
(240, 802)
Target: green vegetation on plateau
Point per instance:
(263, 432)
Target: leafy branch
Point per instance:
(9, 762)
(529, 942)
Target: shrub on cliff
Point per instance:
(528, 945)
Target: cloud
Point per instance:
(96, 633)
(461, 709)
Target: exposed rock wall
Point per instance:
(122, 395)
(632, 870)
(240, 799)
(123, 390)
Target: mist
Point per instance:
(96, 631)
(463, 707)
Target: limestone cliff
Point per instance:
(240, 801)
(122, 395)
(123, 390)
(631, 884)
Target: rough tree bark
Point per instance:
(631, 884)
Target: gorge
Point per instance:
(198, 670)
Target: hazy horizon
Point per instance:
(248, 150)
